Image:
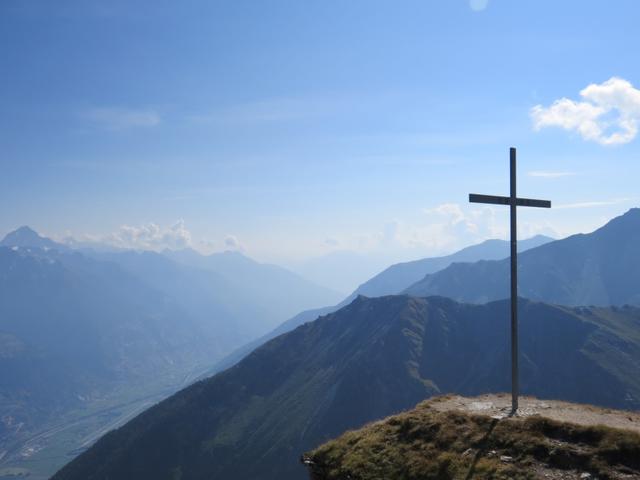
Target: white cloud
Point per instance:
(599, 203)
(122, 118)
(549, 174)
(608, 114)
(150, 237)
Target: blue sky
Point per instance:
(292, 129)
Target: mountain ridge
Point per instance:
(397, 277)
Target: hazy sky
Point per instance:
(295, 128)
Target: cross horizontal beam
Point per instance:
(498, 200)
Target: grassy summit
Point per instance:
(436, 442)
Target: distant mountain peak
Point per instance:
(26, 231)
(25, 236)
(542, 237)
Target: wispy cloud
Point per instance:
(112, 118)
(549, 174)
(608, 114)
(591, 204)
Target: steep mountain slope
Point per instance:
(275, 291)
(600, 268)
(368, 360)
(291, 324)
(400, 276)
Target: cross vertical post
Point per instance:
(515, 384)
(513, 201)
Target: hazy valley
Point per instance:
(88, 339)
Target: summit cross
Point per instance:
(513, 201)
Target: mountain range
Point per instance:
(67, 360)
(592, 269)
(88, 338)
(599, 268)
(400, 276)
(368, 360)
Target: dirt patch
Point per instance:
(499, 406)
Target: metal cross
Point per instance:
(513, 201)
